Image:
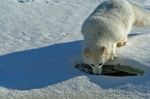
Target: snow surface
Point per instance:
(40, 41)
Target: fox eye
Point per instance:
(100, 64)
(93, 65)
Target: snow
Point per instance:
(40, 41)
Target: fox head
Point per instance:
(96, 58)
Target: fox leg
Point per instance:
(113, 53)
(114, 50)
(120, 44)
(123, 42)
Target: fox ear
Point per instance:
(87, 52)
(103, 51)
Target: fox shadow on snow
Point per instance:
(38, 68)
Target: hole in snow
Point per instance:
(112, 70)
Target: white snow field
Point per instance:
(40, 41)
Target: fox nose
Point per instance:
(97, 70)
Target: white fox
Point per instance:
(107, 28)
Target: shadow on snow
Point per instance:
(40, 67)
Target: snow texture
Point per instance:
(40, 41)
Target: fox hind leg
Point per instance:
(125, 41)
(122, 42)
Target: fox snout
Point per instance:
(96, 58)
(97, 69)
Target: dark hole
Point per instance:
(106, 70)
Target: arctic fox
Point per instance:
(107, 28)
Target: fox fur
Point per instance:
(107, 28)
